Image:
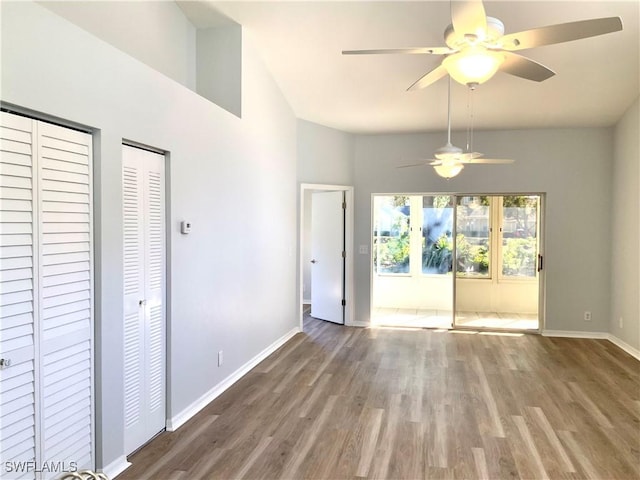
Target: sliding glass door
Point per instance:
(492, 242)
(497, 258)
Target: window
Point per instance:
(413, 235)
(437, 230)
(391, 233)
(473, 221)
(519, 236)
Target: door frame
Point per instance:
(348, 239)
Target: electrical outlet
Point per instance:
(621, 322)
(587, 316)
(220, 358)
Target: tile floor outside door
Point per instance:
(427, 318)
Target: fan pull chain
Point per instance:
(449, 112)
(470, 116)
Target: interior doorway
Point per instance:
(326, 274)
(493, 243)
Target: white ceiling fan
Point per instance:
(450, 160)
(477, 47)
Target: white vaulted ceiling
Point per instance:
(301, 43)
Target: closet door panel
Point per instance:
(155, 266)
(66, 295)
(134, 295)
(17, 304)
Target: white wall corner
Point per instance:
(116, 467)
(634, 352)
(182, 417)
(360, 324)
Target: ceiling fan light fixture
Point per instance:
(473, 65)
(448, 170)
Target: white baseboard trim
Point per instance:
(116, 467)
(634, 352)
(574, 334)
(181, 418)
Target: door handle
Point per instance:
(5, 362)
(540, 262)
(142, 302)
(314, 261)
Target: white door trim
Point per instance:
(349, 262)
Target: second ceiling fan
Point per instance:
(450, 160)
(477, 47)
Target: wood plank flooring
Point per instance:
(345, 403)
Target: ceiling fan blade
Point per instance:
(469, 18)
(429, 78)
(563, 32)
(466, 156)
(412, 51)
(524, 67)
(495, 161)
(421, 164)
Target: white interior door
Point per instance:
(144, 293)
(327, 256)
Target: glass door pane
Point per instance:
(519, 236)
(473, 220)
(436, 286)
(391, 230)
(519, 282)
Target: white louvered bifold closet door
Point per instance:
(65, 294)
(144, 293)
(18, 269)
(46, 324)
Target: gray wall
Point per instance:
(572, 166)
(232, 280)
(219, 66)
(625, 236)
(154, 32)
(325, 156)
